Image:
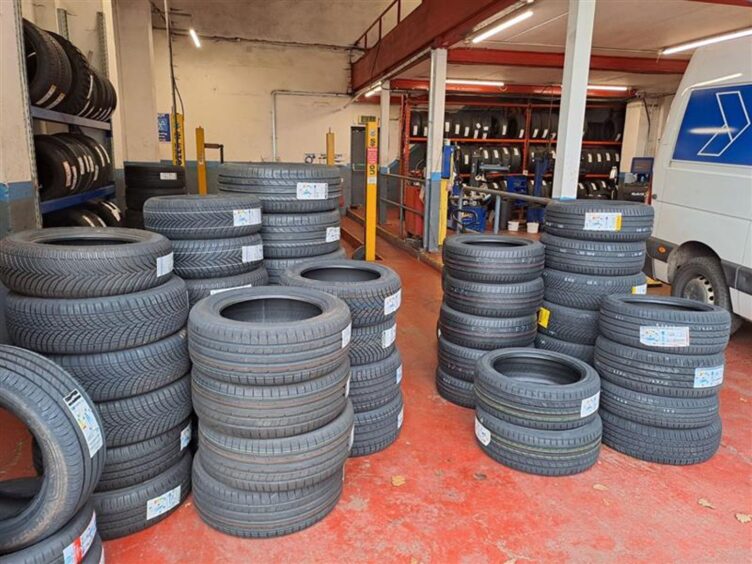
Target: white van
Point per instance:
(702, 184)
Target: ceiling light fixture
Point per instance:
(373, 91)
(194, 36)
(607, 87)
(706, 41)
(471, 82)
(502, 26)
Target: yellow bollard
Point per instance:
(200, 161)
(372, 170)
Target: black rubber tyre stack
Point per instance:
(270, 381)
(373, 293)
(662, 363)
(537, 411)
(594, 249)
(148, 180)
(48, 68)
(104, 304)
(492, 290)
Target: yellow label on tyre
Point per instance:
(543, 317)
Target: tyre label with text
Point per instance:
(399, 374)
(165, 264)
(162, 504)
(185, 436)
(347, 387)
(388, 336)
(602, 221)
(664, 336)
(253, 253)
(346, 335)
(312, 190)
(641, 289)
(400, 417)
(168, 175)
(483, 434)
(392, 303)
(708, 377)
(543, 317)
(86, 420)
(246, 217)
(74, 553)
(332, 234)
(590, 405)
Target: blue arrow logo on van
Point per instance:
(735, 122)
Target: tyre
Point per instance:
(377, 429)
(493, 300)
(200, 288)
(537, 389)
(134, 219)
(455, 390)
(568, 324)
(579, 351)
(458, 361)
(135, 463)
(57, 167)
(494, 259)
(275, 267)
(269, 412)
(120, 374)
(599, 220)
(218, 258)
(73, 217)
(78, 96)
(84, 158)
(261, 514)
(371, 291)
(47, 67)
(107, 211)
(486, 333)
(102, 158)
(372, 343)
(83, 262)
(373, 385)
(278, 465)
(153, 175)
(659, 411)
(268, 336)
(301, 234)
(539, 451)
(138, 418)
(598, 258)
(702, 279)
(658, 373)
(584, 291)
(284, 187)
(65, 423)
(128, 510)
(664, 324)
(97, 325)
(209, 216)
(665, 446)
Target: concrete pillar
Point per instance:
(573, 98)
(434, 149)
(19, 208)
(135, 125)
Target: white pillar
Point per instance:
(434, 149)
(384, 126)
(573, 98)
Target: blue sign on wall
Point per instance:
(717, 126)
(163, 127)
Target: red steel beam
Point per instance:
(741, 3)
(434, 23)
(518, 89)
(641, 65)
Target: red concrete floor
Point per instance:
(455, 504)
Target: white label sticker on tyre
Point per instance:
(164, 265)
(392, 303)
(246, 217)
(590, 405)
(653, 336)
(220, 290)
(483, 434)
(388, 336)
(68, 177)
(346, 334)
(332, 234)
(347, 387)
(351, 440)
(74, 553)
(185, 436)
(168, 175)
(101, 558)
(86, 420)
(399, 374)
(312, 191)
(641, 289)
(44, 98)
(400, 417)
(253, 253)
(163, 503)
(602, 221)
(708, 377)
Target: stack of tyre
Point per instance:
(94, 213)
(661, 361)
(301, 221)
(215, 240)
(60, 76)
(148, 180)
(373, 293)
(492, 291)
(537, 411)
(593, 249)
(104, 305)
(50, 518)
(270, 377)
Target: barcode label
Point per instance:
(312, 190)
(168, 175)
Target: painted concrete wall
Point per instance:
(643, 128)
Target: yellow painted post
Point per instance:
(178, 140)
(372, 169)
(330, 148)
(200, 161)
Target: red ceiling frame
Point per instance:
(640, 65)
(516, 89)
(740, 3)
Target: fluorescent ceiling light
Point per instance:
(194, 36)
(607, 87)
(475, 82)
(373, 91)
(502, 26)
(707, 41)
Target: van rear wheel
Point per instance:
(701, 279)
